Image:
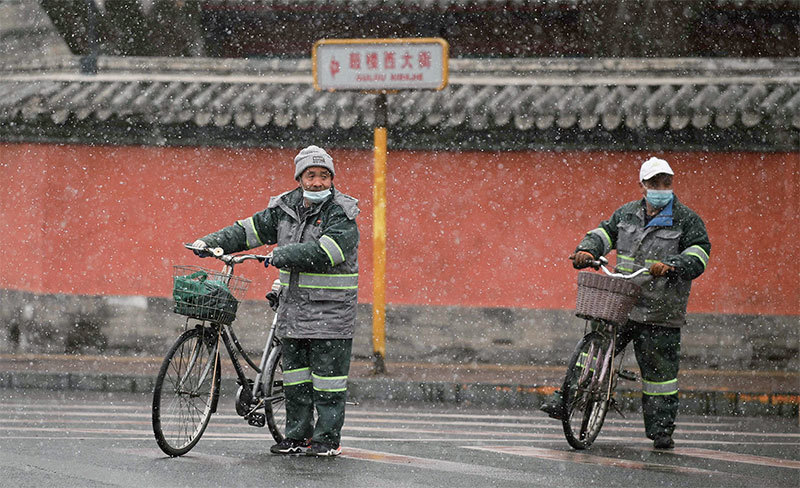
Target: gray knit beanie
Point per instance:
(312, 156)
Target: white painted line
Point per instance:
(583, 458)
(736, 457)
(446, 466)
(263, 436)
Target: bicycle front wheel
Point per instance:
(276, 398)
(185, 390)
(586, 390)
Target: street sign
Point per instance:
(380, 64)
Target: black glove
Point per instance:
(272, 298)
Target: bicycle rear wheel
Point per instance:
(185, 390)
(586, 391)
(276, 399)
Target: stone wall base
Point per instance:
(135, 325)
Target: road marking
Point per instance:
(352, 413)
(736, 457)
(583, 458)
(446, 466)
(357, 420)
(69, 426)
(535, 416)
(203, 458)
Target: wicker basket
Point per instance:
(602, 297)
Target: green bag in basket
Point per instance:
(198, 297)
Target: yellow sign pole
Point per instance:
(379, 239)
(337, 65)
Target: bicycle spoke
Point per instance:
(183, 397)
(585, 390)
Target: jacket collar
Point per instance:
(664, 217)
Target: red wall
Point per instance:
(471, 229)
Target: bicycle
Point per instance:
(605, 300)
(187, 387)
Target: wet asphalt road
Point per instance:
(74, 439)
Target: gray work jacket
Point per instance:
(317, 258)
(677, 237)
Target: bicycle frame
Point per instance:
(592, 375)
(231, 342)
(611, 362)
(187, 387)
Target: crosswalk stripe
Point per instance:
(358, 419)
(447, 466)
(736, 457)
(583, 458)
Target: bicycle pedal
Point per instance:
(628, 375)
(257, 419)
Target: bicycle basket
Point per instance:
(602, 297)
(207, 295)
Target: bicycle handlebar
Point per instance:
(602, 261)
(620, 275)
(230, 259)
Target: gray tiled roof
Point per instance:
(520, 96)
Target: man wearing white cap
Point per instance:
(314, 227)
(660, 234)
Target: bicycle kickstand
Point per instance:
(615, 406)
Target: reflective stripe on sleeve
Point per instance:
(697, 252)
(250, 231)
(332, 249)
(322, 280)
(296, 376)
(655, 388)
(329, 383)
(603, 235)
(283, 277)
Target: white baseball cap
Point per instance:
(652, 167)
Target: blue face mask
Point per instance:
(659, 198)
(316, 196)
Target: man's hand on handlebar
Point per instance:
(660, 269)
(583, 259)
(200, 249)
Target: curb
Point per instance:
(503, 396)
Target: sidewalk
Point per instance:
(703, 392)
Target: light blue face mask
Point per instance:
(659, 198)
(316, 196)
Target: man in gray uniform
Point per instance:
(317, 239)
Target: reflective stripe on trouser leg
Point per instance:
(653, 388)
(330, 365)
(329, 383)
(658, 354)
(298, 388)
(295, 377)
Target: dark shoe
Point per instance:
(554, 406)
(663, 442)
(289, 446)
(323, 449)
